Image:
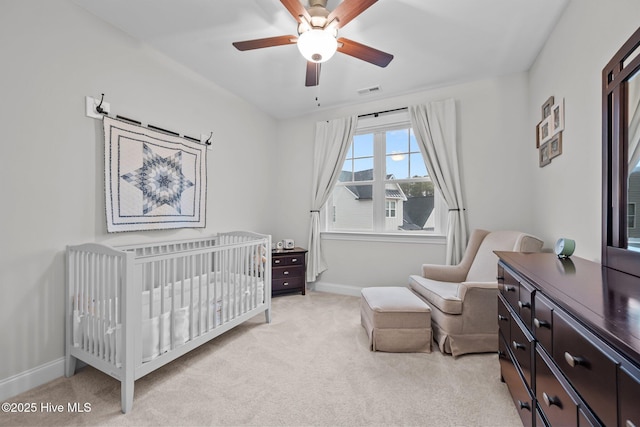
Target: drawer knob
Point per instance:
(574, 361)
(285, 272)
(550, 400)
(524, 304)
(276, 261)
(541, 323)
(510, 288)
(524, 405)
(518, 346)
(503, 318)
(294, 259)
(285, 284)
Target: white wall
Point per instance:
(53, 55)
(492, 119)
(568, 192)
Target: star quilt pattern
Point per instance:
(152, 180)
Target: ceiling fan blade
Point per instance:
(349, 9)
(266, 42)
(296, 9)
(313, 74)
(366, 53)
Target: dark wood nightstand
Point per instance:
(288, 271)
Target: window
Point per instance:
(390, 210)
(384, 186)
(631, 215)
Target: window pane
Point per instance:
(363, 169)
(363, 145)
(397, 141)
(417, 210)
(398, 166)
(418, 168)
(353, 208)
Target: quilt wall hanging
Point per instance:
(153, 180)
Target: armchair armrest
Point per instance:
(471, 287)
(445, 273)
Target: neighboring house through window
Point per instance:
(384, 186)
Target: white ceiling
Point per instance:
(434, 43)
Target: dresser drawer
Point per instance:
(543, 323)
(522, 344)
(504, 319)
(282, 260)
(517, 388)
(591, 371)
(289, 284)
(525, 304)
(628, 395)
(553, 400)
(510, 289)
(287, 272)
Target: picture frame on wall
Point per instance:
(545, 158)
(555, 146)
(544, 131)
(557, 117)
(546, 107)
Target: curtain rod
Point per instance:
(382, 112)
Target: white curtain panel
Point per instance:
(434, 125)
(332, 142)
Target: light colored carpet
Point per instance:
(310, 367)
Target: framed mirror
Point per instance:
(621, 159)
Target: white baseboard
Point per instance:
(335, 288)
(27, 380)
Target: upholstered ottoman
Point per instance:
(396, 320)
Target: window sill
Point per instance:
(433, 239)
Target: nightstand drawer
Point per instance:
(287, 260)
(287, 272)
(287, 284)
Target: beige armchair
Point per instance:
(463, 297)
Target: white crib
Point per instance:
(132, 309)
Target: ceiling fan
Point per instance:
(317, 37)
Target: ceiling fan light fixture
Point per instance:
(317, 45)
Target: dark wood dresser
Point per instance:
(288, 271)
(569, 340)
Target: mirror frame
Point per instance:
(615, 111)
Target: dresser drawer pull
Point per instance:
(285, 272)
(541, 323)
(276, 261)
(524, 304)
(285, 284)
(629, 423)
(524, 405)
(503, 318)
(510, 288)
(550, 400)
(294, 259)
(518, 346)
(574, 361)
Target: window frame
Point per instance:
(379, 126)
